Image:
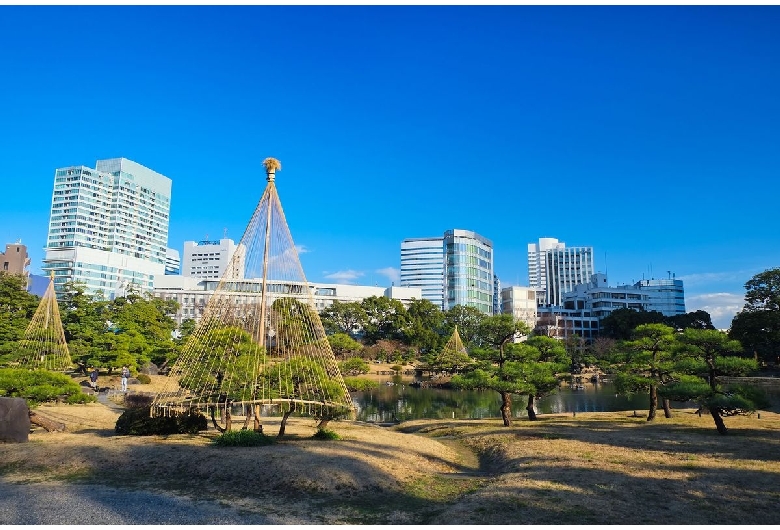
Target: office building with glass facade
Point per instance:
(468, 270)
(422, 266)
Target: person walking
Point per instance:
(125, 376)
(93, 380)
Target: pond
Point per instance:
(396, 400)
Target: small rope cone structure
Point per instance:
(43, 345)
(260, 343)
(455, 344)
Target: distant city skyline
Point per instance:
(649, 133)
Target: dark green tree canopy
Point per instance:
(763, 291)
(757, 326)
(17, 307)
(621, 323)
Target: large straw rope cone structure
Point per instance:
(43, 345)
(260, 344)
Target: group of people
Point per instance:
(93, 378)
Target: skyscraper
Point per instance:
(566, 267)
(537, 263)
(554, 269)
(108, 227)
(422, 265)
(468, 270)
(456, 269)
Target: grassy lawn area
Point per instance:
(595, 468)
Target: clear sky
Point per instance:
(651, 133)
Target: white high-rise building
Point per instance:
(554, 269)
(108, 227)
(537, 263)
(567, 268)
(422, 265)
(210, 259)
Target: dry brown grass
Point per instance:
(597, 468)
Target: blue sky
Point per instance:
(651, 133)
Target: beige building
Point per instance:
(520, 302)
(15, 259)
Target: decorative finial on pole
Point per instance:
(271, 166)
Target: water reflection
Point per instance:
(399, 401)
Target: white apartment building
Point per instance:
(193, 294)
(210, 259)
(108, 227)
(422, 266)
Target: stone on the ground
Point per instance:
(14, 420)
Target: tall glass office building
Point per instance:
(108, 227)
(422, 265)
(468, 270)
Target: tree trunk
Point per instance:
(506, 408)
(718, 421)
(667, 408)
(48, 424)
(228, 418)
(214, 420)
(530, 408)
(323, 424)
(258, 425)
(247, 417)
(283, 426)
(653, 403)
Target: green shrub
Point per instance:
(80, 398)
(325, 434)
(139, 422)
(359, 384)
(354, 366)
(40, 386)
(396, 368)
(143, 379)
(243, 438)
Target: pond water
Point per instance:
(400, 401)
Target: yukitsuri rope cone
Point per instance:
(455, 345)
(260, 346)
(43, 345)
